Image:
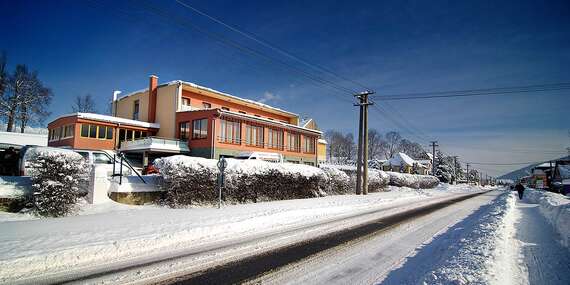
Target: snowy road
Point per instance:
(382, 257)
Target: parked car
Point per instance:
(265, 156)
(561, 177)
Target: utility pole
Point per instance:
(467, 173)
(362, 157)
(433, 145)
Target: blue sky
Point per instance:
(96, 47)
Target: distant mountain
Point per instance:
(515, 175)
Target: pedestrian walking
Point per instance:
(520, 190)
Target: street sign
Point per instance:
(222, 164)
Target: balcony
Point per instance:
(156, 144)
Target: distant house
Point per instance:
(401, 162)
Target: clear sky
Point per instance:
(97, 46)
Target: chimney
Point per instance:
(152, 94)
(114, 103)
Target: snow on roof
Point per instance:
(174, 82)
(111, 119)
(265, 120)
(400, 158)
(323, 141)
(19, 139)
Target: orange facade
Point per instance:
(90, 134)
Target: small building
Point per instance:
(401, 162)
(183, 117)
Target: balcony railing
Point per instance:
(156, 144)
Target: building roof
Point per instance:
(194, 85)
(402, 158)
(110, 119)
(267, 121)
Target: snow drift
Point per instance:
(413, 180)
(555, 208)
(377, 180)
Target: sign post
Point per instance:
(222, 164)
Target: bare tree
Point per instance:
(3, 74)
(413, 149)
(24, 100)
(392, 144)
(376, 144)
(341, 146)
(84, 104)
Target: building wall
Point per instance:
(321, 151)
(166, 111)
(210, 147)
(126, 105)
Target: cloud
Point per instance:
(268, 97)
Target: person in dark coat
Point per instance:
(520, 190)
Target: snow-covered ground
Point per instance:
(117, 234)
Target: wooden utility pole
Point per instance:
(362, 157)
(433, 145)
(359, 148)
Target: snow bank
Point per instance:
(413, 180)
(555, 208)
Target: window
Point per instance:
(84, 154)
(275, 138)
(109, 133)
(84, 130)
(206, 105)
(294, 142)
(200, 129)
(309, 144)
(92, 131)
(122, 134)
(129, 135)
(254, 135)
(102, 132)
(225, 108)
(230, 131)
(137, 134)
(101, 158)
(136, 108)
(186, 101)
(68, 132)
(184, 130)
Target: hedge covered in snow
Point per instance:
(555, 208)
(377, 180)
(192, 180)
(57, 176)
(412, 180)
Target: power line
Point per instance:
(258, 40)
(506, 164)
(243, 49)
(477, 92)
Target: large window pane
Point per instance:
(110, 133)
(102, 132)
(92, 131)
(200, 129)
(122, 134)
(84, 130)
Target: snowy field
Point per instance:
(103, 236)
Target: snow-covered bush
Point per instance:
(338, 182)
(57, 178)
(413, 180)
(377, 179)
(187, 180)
(192, 180)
